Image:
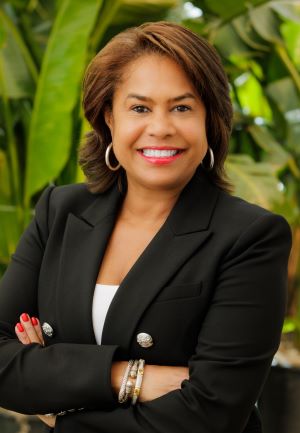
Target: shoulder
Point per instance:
(71, 195)
(238, 210)
(236, 215)
(57, 201)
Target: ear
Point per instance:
(108, 116)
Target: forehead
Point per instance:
(154, 74)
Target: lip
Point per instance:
(160, 161)
(160, 148)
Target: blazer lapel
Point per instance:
(85, 240)
(83, 248)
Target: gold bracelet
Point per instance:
(138, 383)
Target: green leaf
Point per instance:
(284, 95)
(251, 96)
(291, 68)
(19, 72)
(227, 9)
(5, 192)
(245, 31)
(275, 153)
(291, 35)
(266, 24)
(287, 9)
(256, 182)
(57, 93)
(120, 14)
(228, 43)
(11, 218)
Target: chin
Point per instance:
(163, 184)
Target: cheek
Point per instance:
(127, 134)
(195, 134)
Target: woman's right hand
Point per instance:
(29, 330)
(157, 379)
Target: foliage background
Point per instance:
(45, 47)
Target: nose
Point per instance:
(160, 124)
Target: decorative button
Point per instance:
(48, 330)
(144, 340)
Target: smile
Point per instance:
(163, 156)
(159, 153)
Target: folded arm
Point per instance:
(236, 345)
(71, 375)
(235, 348)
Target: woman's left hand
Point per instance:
(28, 331)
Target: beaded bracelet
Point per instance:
(134, 369)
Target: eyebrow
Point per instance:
(146, 98)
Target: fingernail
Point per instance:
(25, 317)
(20, 327)
(34, 321)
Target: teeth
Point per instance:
(159, 153)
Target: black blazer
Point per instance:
(210, 288)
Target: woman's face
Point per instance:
(152, 119)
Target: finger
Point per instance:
(38, 329)
(29, 328)
(21, 334)
(49, 420)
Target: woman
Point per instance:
(151, 259)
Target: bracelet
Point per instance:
(138, 383)
(126, 385)
(135, 369)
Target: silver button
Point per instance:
(144, 339)
(48, 330)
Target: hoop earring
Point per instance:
(212, 159)
(107, 159)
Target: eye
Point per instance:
(141, 108)
(137, 108)
(186, 108)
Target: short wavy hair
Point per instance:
(203, 67)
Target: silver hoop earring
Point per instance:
(212, 159)
(107, 159)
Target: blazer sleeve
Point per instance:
(36, 379)
(236, 344)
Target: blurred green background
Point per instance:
(44, 49)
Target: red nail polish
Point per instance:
(25, 317)
(34, 321)
(20, 327)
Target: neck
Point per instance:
(151, 206)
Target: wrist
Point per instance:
(117, 372)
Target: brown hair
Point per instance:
(200, 62)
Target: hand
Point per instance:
(157, 380)
(28, 331)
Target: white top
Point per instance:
(103, 296)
